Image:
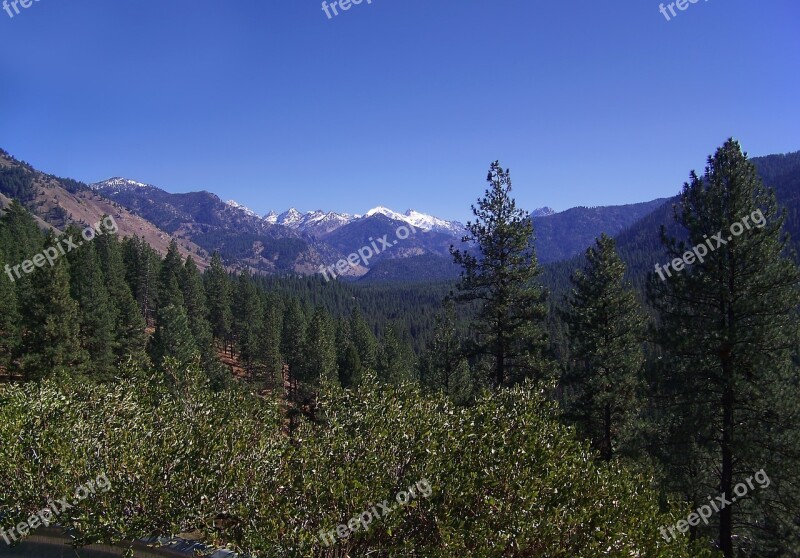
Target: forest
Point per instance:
(578, 409)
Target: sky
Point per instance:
(400, 103)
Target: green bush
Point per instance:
(507, 479)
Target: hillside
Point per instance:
(58, 202)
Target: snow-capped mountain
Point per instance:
(320, 222)
(421, 221)
(313, 222)
(241, 207)
(430, 223)
(119, 184)
(543, 212)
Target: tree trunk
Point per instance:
(726, 481)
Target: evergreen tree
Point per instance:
(293, 339)
(728, 325)
(348, 361)
(503, 278)
(270, 347)
(173, 340)
(350, 370)
(131, 339)
(9, 318)
(603, 385)
(218, 295)
(443, 366)
(51, 326)
(98, 325)
(364, 340)
(194, 299)
(321, 362)
(141, 273)
(396, 358)
(248, 314)
(22, 234)
(21, 239)
(170, 275)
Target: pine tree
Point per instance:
(728, 325)
(131, 338)
(96, 313)
(320, 351)
(604, 384)
(51, 326)
(350, 370)
(443, 366)
(269, 350)
(364, 340)
(247, 317)
(503, 278)
(23, 234)
(194, 299)
(9, 317)
(141, 273)
(293, 339)
(348, 361)
(170, 275)
(218, 295)
(396, 363)
(173, 339)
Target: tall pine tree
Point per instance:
(97, 315)
(503, 277)
(604, 383)
(443, 366)
(51, 325)
(218, 297)
(728, 326)
(320, 351)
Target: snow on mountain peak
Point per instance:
(327, 221)
(543, 212)
(120, 183)
(380, 210)
(234, 204)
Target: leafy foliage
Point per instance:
(220, 463)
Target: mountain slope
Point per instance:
(242, 237)
(640, 245)
(59, 202)
(560, 236)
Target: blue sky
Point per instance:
(402, 103)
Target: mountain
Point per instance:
(295, 242)
(317, 223)
(421, 221)
(560, 236)
(236, 205)
(321, 223)
(58, 202)
(242, 237)
(640, 245)
(366, 232)
(542, 212)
